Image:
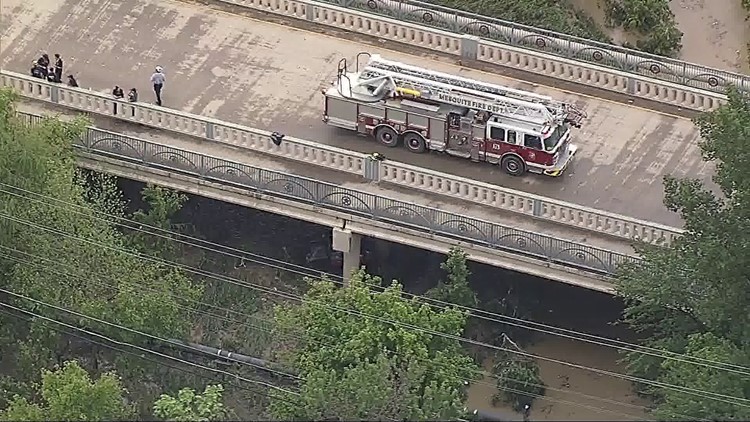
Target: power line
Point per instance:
(121, 343)
(484, 373)
(67, 274)
(687, 390)
(599, 409)
(477, 313)
(480, 372)
(33, 315)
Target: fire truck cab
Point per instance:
(425, 110)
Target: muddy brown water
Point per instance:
(572, 393)
(716, 33)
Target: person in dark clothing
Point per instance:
(117, 92)
(51, 75)
(43, 62)
(72, 81)
(133, 98)
(58, 68)
(37, 71)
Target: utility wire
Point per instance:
(186, 346)
(31, 316)
(505, 388)
(253, 286)
(688, 390)
(480, 372)
(121, 343)
(477, 313)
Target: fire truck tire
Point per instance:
(414, 142)
(387, 136)
(513, 165)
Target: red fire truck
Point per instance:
(426, 110)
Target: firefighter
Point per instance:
(158, 79)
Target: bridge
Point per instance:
(351, 209)
(257, 73)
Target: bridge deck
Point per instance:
(268, 76)
(347, 181)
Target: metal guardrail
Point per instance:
(550, 42)
(329, 196)
(406, 23)
(312, 153)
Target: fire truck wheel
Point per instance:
(415, 142)
(387, 136)
(513, 165)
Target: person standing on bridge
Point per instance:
(58, 68)
(158, 80)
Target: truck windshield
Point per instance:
(553, 139)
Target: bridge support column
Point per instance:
(350, 245)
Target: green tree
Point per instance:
(455, 289)
(692, 297)
(162, 205)
(554, 15)
(715, 349)
(518, 380)
(356, 367)
(189, 406)
(651, 18)
(98, 275)
(69, 394)
(55, 247)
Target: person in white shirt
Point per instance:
(158, 79)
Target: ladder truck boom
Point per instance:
(385, 82)
(442, 87)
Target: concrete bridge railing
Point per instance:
(478, 38)
(338, 159)
(328, 196)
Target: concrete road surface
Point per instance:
(264, 75)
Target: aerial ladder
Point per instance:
(382, 78)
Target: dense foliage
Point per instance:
(357, 364)
(553, 15)
(189, 406)
(68, 393)
(455, 289)
(518, 380)
(692, 297)
(77, 266)
(653, 20)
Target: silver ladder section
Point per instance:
(511, 101)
